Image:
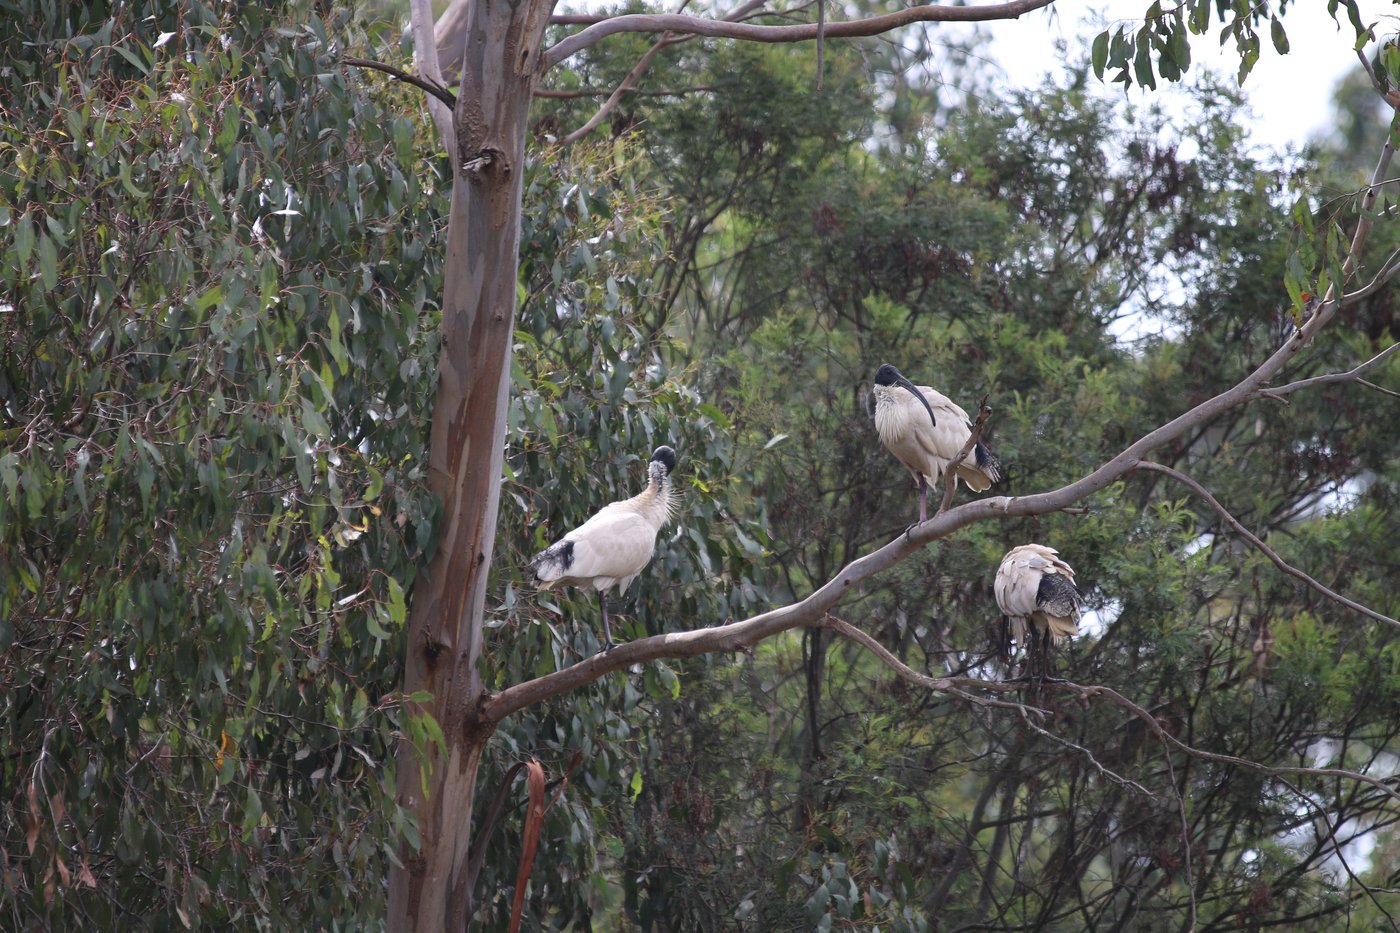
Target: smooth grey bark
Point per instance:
(499, 67)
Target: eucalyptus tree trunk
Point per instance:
(498, 70)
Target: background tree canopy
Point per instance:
(221, 259)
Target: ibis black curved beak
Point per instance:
(887, 375)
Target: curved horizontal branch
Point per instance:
(1351, 375)
(1258, 542)
(436, 90)
(700, 26)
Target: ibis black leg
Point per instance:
(923, 506)
(607, 629)
(1045, 669)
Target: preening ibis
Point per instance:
(1034, 585)
(925, 430)
(612, 547)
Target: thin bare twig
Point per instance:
(1087, 755)
(1185, 839)
(434, 90)
(1338, 849)
(632, 78)
(1255, 540)
(909, 675)
(1160, 731)
(950, 472)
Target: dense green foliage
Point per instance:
(217, 365)
(220, 260)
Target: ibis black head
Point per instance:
(888, 376)
(666, 457)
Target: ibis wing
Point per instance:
(1016, 586)
(614, 544)
(953, 430)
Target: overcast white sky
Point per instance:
(1290, 95)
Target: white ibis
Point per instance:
(925, 430)
(1035, 585)
(612, 547)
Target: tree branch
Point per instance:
(1382, 278)
(1158, 730)
(909, 675)
(1255, 540)
(632, 77)
(950, 472)
(1351, 375)
(426, 54)
(870, 26)
(812, 610)
(435, 91)
(640, 68)
(561, 94)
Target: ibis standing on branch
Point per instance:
(1036, 592)
(926, 431)
(616, 544)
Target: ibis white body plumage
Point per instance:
(1036, 592)
(926, 430)
(614, 546)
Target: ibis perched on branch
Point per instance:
(1035, 590)
(616, 544)
(926, 431)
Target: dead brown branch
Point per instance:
(1258, 542)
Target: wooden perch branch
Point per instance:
(950, 472)
(735, 636)
(870, 26)
(1258, 542)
